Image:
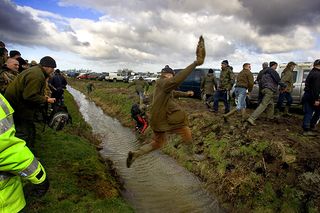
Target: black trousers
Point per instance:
(25, 130)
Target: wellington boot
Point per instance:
(133, 155)
(243, 115)
(286, 111)
(251, 121)
(225, 116)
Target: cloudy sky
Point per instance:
(145, 35)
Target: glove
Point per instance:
(200, 52)
(41, 189)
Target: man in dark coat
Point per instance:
(166, 115)
(269, 81)
(26, 95)
(57, 84)
(311, 100)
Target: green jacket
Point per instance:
(287, 78)
(165, 113)
(140, 85)
(6, 77)
(209, 84)
(226, 79)
(26, 92)
(245, 79)
(16, 162)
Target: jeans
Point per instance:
(221, 94)
(311, 115)
(282, 96)
(241, 94)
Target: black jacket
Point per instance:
(312, 85)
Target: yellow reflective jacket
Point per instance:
(16, 162)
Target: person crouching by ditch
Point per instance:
(245, 82)
(26, 96)
(165, 115)
(138, 113)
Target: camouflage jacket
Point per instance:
(6, 77)
(226, 79)
(209, 84)
(287, 78)
(245, 79)
(165, 113)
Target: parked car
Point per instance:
(113, 76)
(102, 76)
(193, 81)
(152, 79)
(300, 74)
(133, 78)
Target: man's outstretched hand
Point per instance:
(201, 51)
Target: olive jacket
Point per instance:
(26, 92)
(245, 80)
(165, 113)
(209, 84)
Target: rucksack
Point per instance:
(59, 117)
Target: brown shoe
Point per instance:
(250, 121)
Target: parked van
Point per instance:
(113, 76)
(300, 74)
(193, 81)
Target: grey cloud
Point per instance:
(16, 26)
(276, 16)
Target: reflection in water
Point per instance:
(155, 182)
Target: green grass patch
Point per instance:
(79, 180)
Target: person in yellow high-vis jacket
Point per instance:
(16, 162)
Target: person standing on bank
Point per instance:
(26, 96)
(166, 115)
(245, 82)
(208, 86)
(285, 93)
(225, 85)
(311, 100)
(141, 87)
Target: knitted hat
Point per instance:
(226, 62)
(167, 69)
(13, 53)
(47, 61)
(272, 63)
(210, 71)
(316, 62)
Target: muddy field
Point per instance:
(270, 167)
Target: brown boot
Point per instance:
(225, 116)
(243, 115)
(133, 155)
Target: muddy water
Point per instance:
(155, 182)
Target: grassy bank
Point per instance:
(79, 179)
(267, 168)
